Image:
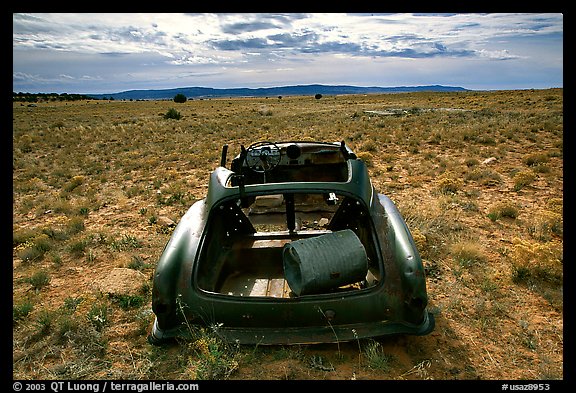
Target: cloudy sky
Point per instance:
(109, 53)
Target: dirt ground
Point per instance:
(489, 325)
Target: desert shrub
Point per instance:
(214, 358)
(542, 168)
(25, 143)
(21, 310)
(419, 239)
(39, 280)
(35, 248)
(369, 146)
(448, 185)
(125, 242)
(180, 98)
(545, 224)
(22, 237)
(74, 226)
(177, 197)
(127, 302)
(55, 233)
(415, 110)
(135, 190)
(65, 327)
(535, 159)
(78, 247)
(486, 139)
(86, 340)
(45, 322)
(484, 176)
(533, 261)
(523, 179)
(366, 157)
(470, 162)
(432, 227)
(98, 316)
(388, 157)
(71, 303)
(56, 259)
(74, 183)
(555, 204)
(172, 114)
(503, 209)
(265, 110)
(467, 253)
(376, 357)
(59, 204)
(138, 263)
(58, 124)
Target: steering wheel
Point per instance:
(263, 156)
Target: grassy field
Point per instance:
(478, 177)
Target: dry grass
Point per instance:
(480, 187)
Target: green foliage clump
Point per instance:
(535, 159)
(180, 98)
(35, 248)
(376, 357)
(214, 358)
(21, 310)
(127, 302)
(172, 114)
(39, 280)
(503, 209)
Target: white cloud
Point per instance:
(171, 50)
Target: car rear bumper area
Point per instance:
(307, 335)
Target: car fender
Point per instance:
(178, 255)
(407, 261)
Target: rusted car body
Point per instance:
(292, 244)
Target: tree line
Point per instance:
(36, 97)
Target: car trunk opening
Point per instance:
(288, 245)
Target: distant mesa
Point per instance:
(298, 90)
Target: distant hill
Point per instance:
(298, 90)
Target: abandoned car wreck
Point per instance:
(291, 245)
